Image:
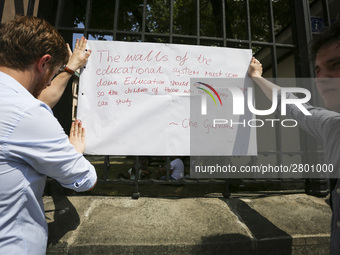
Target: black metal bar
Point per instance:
(19, 7)
(224, 26)
(171, 31)
(302, 35)
(195, 182)
(273, 38)
(106, 167)
(2, 4)
(59, 13)
(226, 193)
(245, 42)
(326, 13)
(275, 74)
(167, 168)
(144, 21)
(136, 194)
(30, 7)
(87, 18)
(198, 21)
(115, 21)
(248, 23)
(136, 167)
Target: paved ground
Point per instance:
(258, 223)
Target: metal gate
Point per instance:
(278, 31)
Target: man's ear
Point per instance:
(43, 61)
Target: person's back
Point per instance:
(177, 168)
(33, 145)
(18, 198)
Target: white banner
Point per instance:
(134, 98)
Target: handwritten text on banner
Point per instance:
(134, 98)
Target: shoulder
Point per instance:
(20, 110)
(177, 162)
(37, 121)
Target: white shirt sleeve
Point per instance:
(39, 140)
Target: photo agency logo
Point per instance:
(204, 96)
(244, 97)
(225, 120)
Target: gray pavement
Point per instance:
(258, 223)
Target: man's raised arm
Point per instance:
(78, 59)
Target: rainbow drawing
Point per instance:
(209, 93)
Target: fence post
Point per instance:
(302, 35)
(136, 194)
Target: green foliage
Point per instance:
(212, 24)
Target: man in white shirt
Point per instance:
(33, 145)
(177, 169)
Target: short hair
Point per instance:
(330, 35)
(24, 40)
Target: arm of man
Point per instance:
(40, 142)
(78, 59)
(317, 124)
(77, 138)
(255, 72)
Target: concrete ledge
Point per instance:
(243, 224)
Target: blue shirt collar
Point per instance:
(9, 81)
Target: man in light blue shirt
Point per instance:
(33, 145)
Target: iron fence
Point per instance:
(276, 31)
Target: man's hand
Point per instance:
(79, 56)
(255, 72)
(255, 68)
(77, 59)
(77, 136)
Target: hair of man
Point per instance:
(25, 39)
(329, 36)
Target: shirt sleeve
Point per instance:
(39, 141)
(319, 124)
